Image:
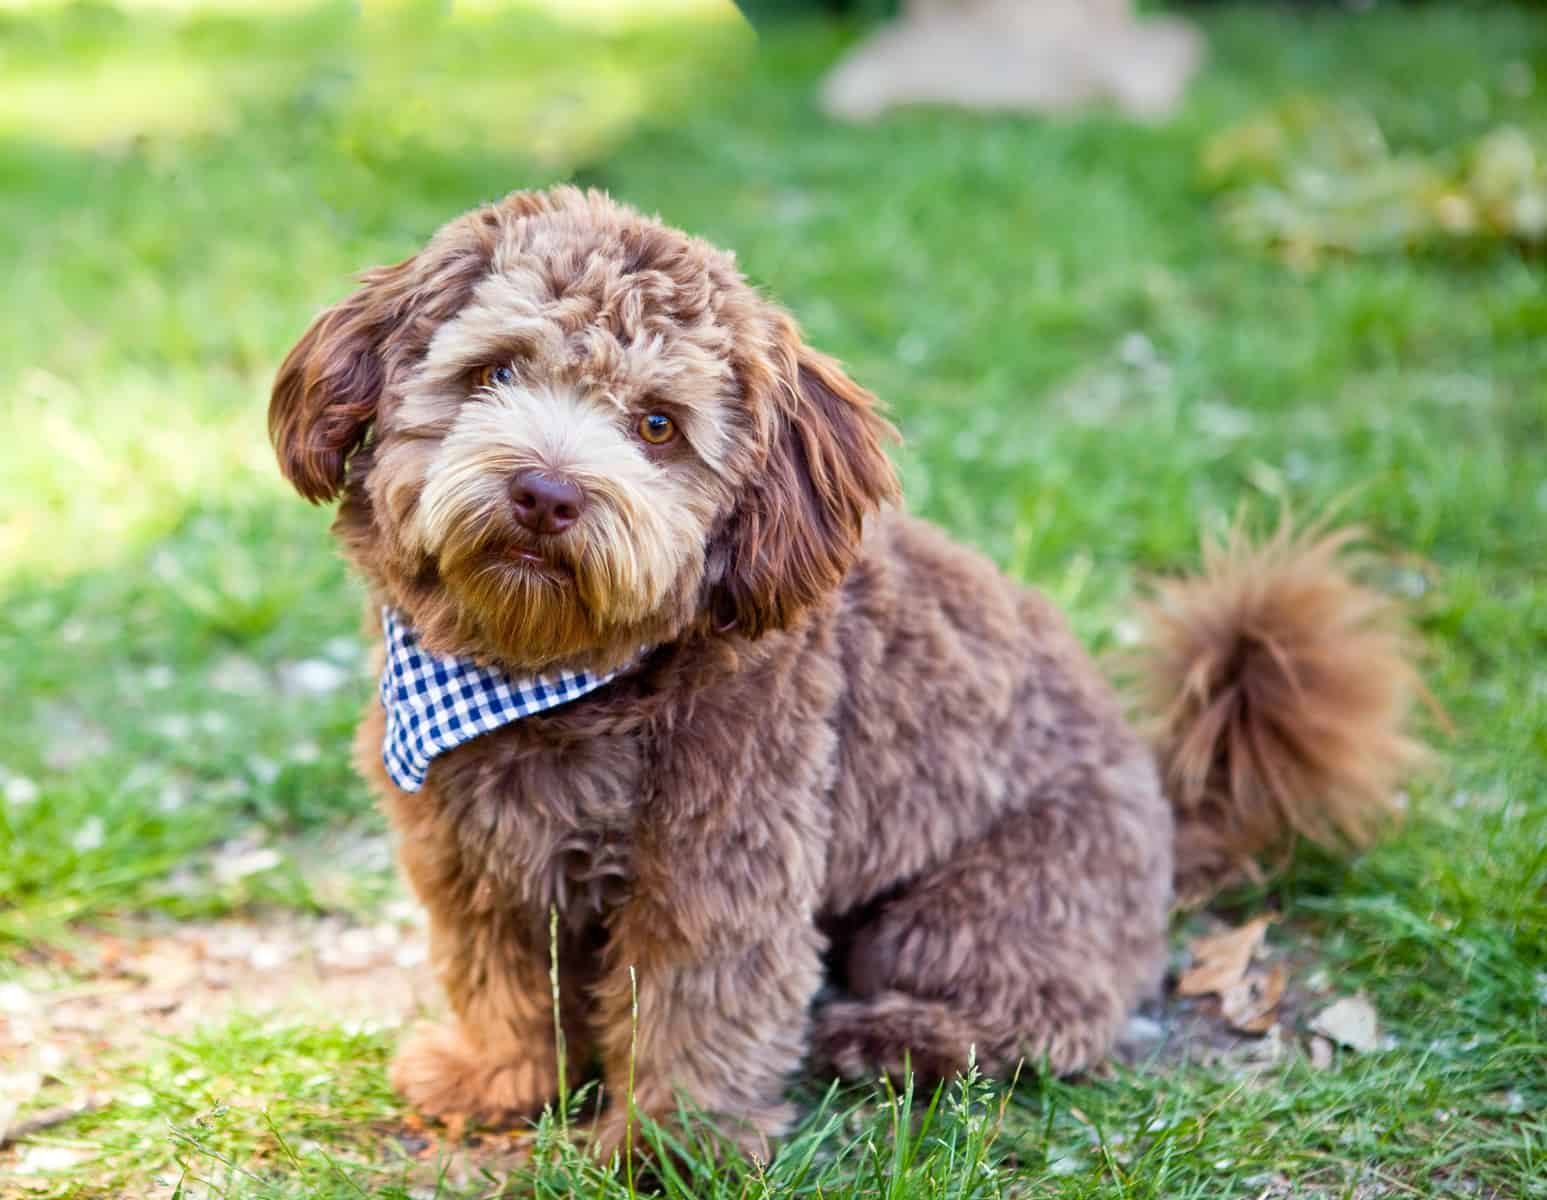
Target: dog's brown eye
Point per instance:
(657, 429)
(490, 376)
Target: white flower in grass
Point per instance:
(173, 795)
(91, 835)
(312, 676)
(306, 752)
(346, 650)
(1137, 351)
(19, 790)
(1531, 214)
(1222, 421)
(239, 675)
(174, 727)
(265, 770)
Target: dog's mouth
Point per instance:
(534, 560)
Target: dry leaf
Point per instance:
(1350, 1022)
(1252, 1004)
(1321, 1053)
(1220, 961)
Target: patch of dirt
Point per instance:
(110, 993)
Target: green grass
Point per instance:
(1087, 370)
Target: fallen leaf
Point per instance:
(1350, 1022)
(1252, 1004)
(1220, 961)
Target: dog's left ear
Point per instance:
(326, 394)
(796, 528)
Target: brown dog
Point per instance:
(837, 745)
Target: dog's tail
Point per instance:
(1281, 692)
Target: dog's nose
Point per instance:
(545, 503)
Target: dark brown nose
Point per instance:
(545, 503)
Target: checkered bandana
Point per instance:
(436, 703)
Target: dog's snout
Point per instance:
(545, 503)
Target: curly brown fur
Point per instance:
(1282, 690)
(864, 803)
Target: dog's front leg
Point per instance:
(497, 1057)
(717, 942)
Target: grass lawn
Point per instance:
(1088, 370)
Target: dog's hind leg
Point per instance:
(1031, 943)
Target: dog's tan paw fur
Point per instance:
(442, 1074)
(749, 1134)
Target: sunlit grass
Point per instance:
(172, 170)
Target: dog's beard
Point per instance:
(595, 591)
(529, 613)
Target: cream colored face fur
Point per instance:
(586, 372)
(595, 317)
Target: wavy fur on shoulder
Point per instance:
(1282, 690)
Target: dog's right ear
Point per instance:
(798, 520)
(324, 398)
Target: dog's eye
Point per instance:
(490, 376)
(657, 429)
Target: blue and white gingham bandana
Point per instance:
(434, 703)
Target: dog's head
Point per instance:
(563, 431)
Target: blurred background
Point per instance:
(1308, 269)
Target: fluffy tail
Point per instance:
(1282, 692)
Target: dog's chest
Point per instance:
(546, 822)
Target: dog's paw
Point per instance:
(750, 1135)
(442, 1074)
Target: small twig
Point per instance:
(48, 1118)
(633, 1047)
(561, 1049)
